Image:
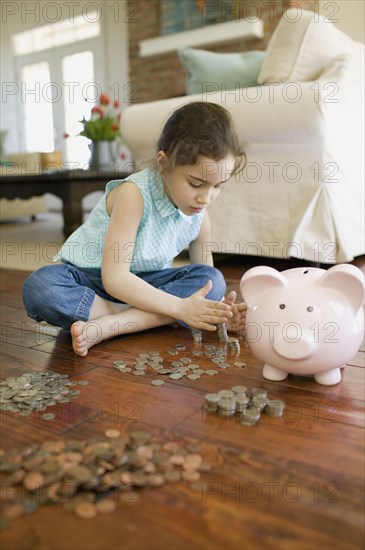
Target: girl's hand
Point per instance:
(238, 320)
(204, 314)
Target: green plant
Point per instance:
(104, 123)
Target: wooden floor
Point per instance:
(294, 482)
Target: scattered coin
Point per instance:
(35, 391)
(112, 434)
(105, 506)
(157, 382)
(193, 376)
(48, 416)
(85, 510)
(176, 376)
(178, 369)
(120, 363)
(88, 469)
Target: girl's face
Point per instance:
(191, 188)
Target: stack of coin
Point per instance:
(79, 474)
(212, 400)
(275, 408)
(197, 336)
(233, 345)
(227, 403)
(250, 415)
(222, 332)
(259, 398)
(241, 397)
(227, 407)
(36, 391)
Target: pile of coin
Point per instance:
(234, 345)
(90, 476)
(197, 336)
(35, 391)
(222, 332)
(181, 367)
(227, 403)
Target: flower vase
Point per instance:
(102, 155)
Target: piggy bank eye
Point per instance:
(282, 306)
(310, 308)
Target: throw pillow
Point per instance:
(301, 47)
(225, 70)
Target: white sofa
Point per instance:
(301, 193)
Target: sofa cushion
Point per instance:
(233, 70)
(301, 46)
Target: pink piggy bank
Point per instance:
(304, 321)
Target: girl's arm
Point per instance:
(118, 281)
(200, 253)
(200, 250)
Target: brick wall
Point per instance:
(162, 76)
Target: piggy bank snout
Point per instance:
(292, 345)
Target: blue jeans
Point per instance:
(62, 294)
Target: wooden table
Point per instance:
(69, 185)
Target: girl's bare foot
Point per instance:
(84, 335)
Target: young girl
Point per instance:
(116, 276)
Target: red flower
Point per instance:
(104, 122)
(104, 99)
(97, 111)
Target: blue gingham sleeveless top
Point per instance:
(163, 233)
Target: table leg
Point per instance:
(72, 216)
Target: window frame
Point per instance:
(54, 57)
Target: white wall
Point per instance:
(347, 15)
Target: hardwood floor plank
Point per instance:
(291, 483)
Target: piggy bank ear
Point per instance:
(348, 281)
(258, 279)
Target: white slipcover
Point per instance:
(301, 193)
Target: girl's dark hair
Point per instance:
(199, 129)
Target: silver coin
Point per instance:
(157, 382)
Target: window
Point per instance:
(77, 68)
(59, 66)
(38, 116)
(57, 34)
